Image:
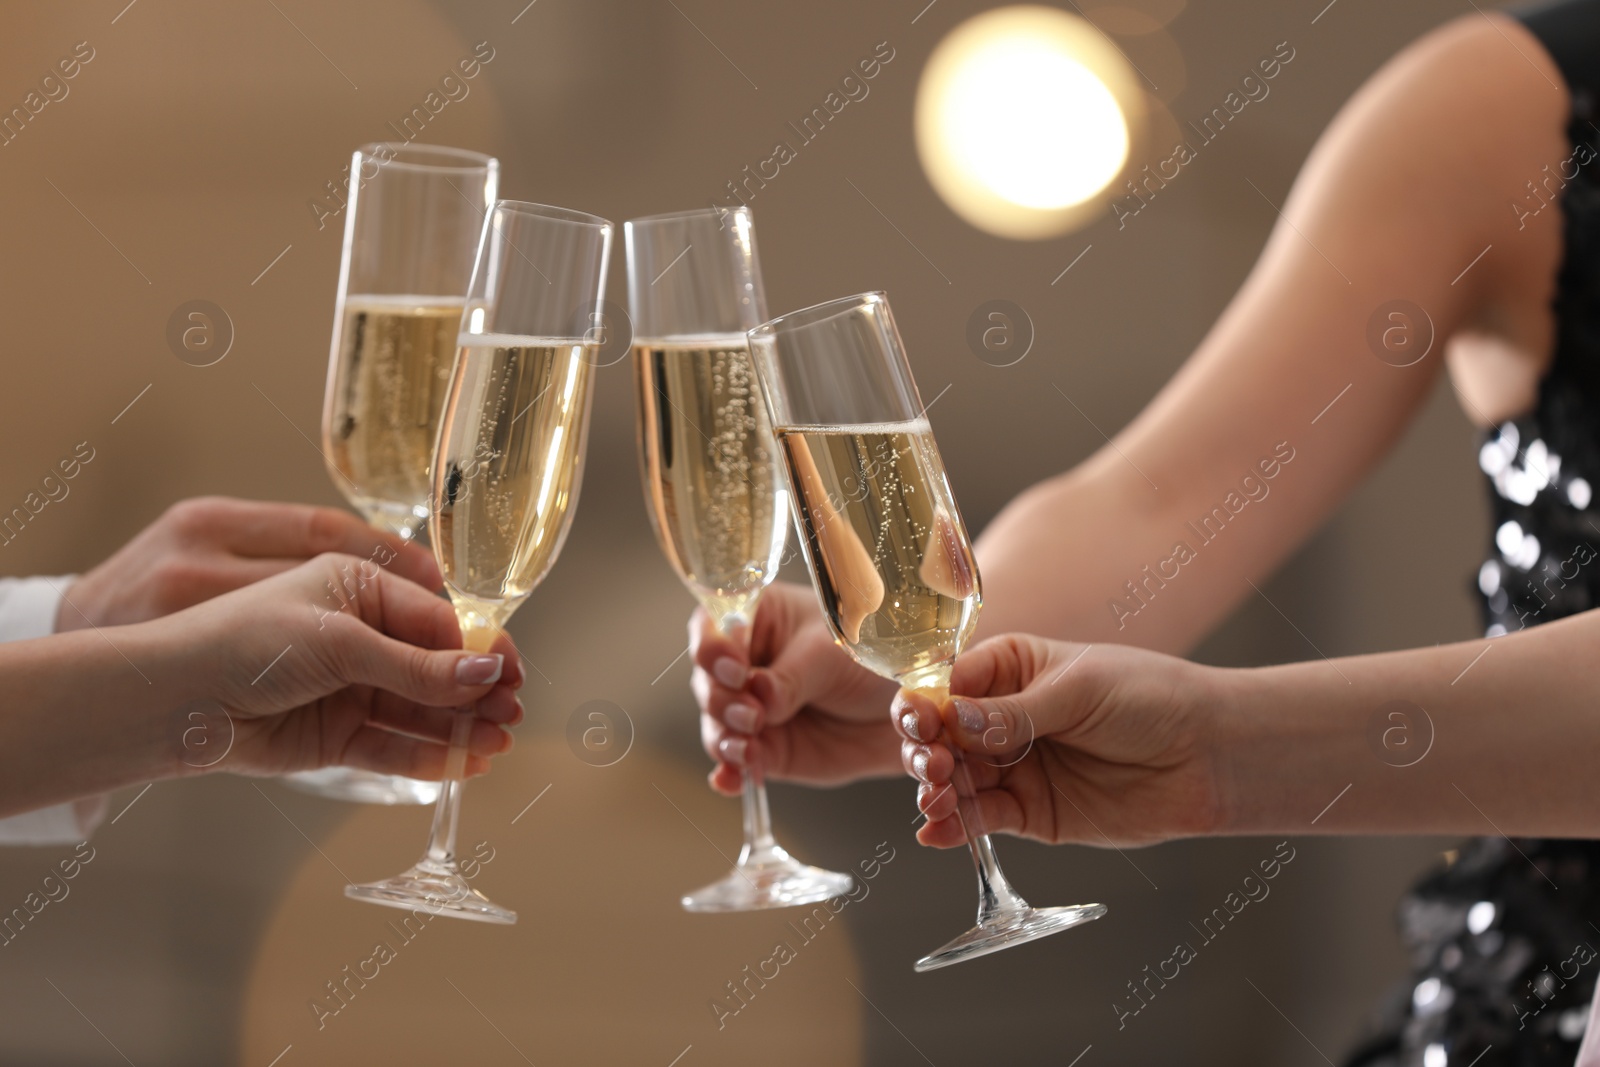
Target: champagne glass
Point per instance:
(717, 500)
(888, 553)
(506, 470)
(412, 222)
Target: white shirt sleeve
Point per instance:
(27, 610)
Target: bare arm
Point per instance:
(268, 679)
(1129, 746)
(1410, 183)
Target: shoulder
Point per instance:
(1437, 145)
(1480, 89)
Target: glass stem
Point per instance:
(996, 898)
(758, 839)
(447, 812)
(759, 843)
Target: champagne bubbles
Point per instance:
(999, 332)
(599, 733)
(1400, 333)
(199, 332)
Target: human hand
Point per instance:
(207, 546)
(372, 685)
(1097, 744)
(792, 700)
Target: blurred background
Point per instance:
(199, 155)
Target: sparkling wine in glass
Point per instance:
(716, 496)
(413, 217)
(506, 470)
(888, 553)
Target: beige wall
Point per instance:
(192, 143)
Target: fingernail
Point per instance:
(741, 717)
(919, 763)
(732, 749)
(730, 672)
(908, 723)
(968, 716)
(479, 670)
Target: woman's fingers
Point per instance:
(271, 530)
(726, 779)
(438, 679)
(936, 801)
(402, 609)
(489, 735)
(927, 763)
(723, 656)
(1001, 665)
(408, 643)
(994, 811)
(915, 717)
(372, 748)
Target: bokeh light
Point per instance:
(1025, 115)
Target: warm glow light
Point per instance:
(1034, 124)
(1023, 117)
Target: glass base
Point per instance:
(362, 787)
(434, 888)
(770, 878)
(1009, 928)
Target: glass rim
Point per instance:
(818, 313)
(694, 213)
(553, 213)
(393, 153)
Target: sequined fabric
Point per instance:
(1505, 941)
(1504, 960)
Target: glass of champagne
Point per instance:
(412, 221)
(888, 553)
(716, 497)
(506, 470)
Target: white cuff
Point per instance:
(64, 824)
(28, 609)
(28, 606)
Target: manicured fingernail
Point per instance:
(741, 717)
(919, 763)
(968, 715)
(908, 723)
(732, 749)
(479, 670)
(730, 672)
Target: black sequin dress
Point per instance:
(1505, 941)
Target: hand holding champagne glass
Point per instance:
(507, 469)
(716, 497)
(412, 222)
(888, 553)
